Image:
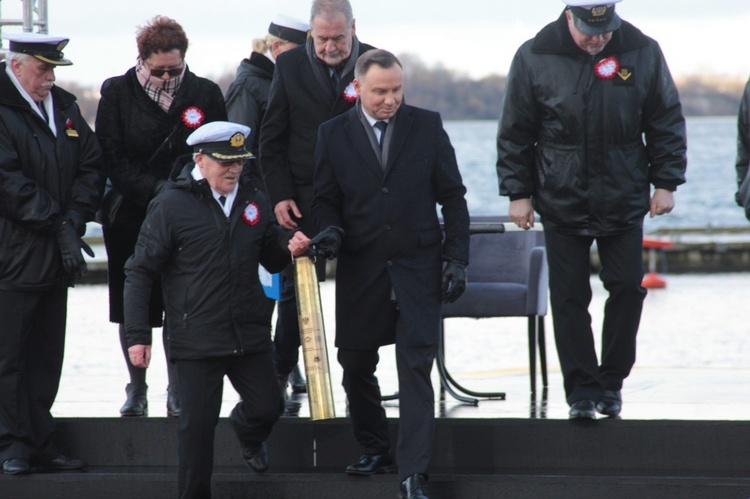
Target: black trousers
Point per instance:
(286, 340)
(621, 273)
(416, 403)
(32, 345)
(201, 388)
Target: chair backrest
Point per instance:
(501, 257)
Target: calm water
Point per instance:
(707, 199)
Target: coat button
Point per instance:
(386, 227)
(389, 263)
(385, 190)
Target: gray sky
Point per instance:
(475, 37)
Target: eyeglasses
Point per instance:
(158, 73)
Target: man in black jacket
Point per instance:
(580, 99)
(204, 238)
(50, 185)
(312, 83)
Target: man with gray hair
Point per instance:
(51, 181)
(590, 122)
(311, 84)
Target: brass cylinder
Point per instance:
(313, 338)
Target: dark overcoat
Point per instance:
(394, 246)
(297, 104)
(42, 175)
(141, 142)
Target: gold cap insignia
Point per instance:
(599, 10)
(237, 140)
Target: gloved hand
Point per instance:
(327, 243)
(453, 282)
(70, 250)
(76, 220)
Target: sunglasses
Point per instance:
(158, 73)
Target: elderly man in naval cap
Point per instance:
(50, 186)
(592, 138)
(204, 237)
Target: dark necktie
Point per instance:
(44, 111)
(335, 80)
(222, 200)
(381, 125)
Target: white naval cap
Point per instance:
(289, 29)
(594, 18)
(221, 140)
(46, 48)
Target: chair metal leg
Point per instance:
(447, 383)
(542, 351)
(532, 351)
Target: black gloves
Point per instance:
(70, 245)
(76, 220)
(454, 281)
(327, 242)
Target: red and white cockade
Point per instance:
(193, 117)
(606, 69)
(251, 215)
(349, 93)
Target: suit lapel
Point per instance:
(404, 122)
(361, 142)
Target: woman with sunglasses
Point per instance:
(143, 120)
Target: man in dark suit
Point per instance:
(311, 84)
(380, 170)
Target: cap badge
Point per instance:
(599, 10)
(237, 140)
(193, 117)
(606, 69)
(251, 214)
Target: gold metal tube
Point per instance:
(313, 338)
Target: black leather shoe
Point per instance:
(297, 381)
(137, 403)
(414, 487)
(611, 404)
(583, 409)
(16, 466)
(256, 456)
(369, 464)
(60, 463)
(173, 402)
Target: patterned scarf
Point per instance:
(161, 91)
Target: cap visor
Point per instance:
(56, 62)
(227, 156)
(587, 29)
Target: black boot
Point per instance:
(137, 403)
(299, 385)
(173, 402)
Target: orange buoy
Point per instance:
(652, 279)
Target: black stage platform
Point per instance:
(473, 458)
